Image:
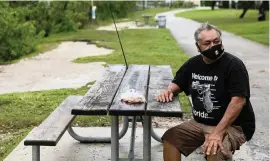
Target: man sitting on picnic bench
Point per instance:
(219, 87)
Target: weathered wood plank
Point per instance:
(160, 77)
(136, 77)
(100, 96)
(54, 126)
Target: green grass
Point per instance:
(20, 112)
(150, 46)
(141, 47)
(228, 20)
(10, 140)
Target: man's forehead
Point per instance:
(209, 35)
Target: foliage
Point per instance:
(24, 23)
(17, 37)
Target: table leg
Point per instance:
(132, 139)
(36, 153)
(154, 134)
(147, 138)
(114, 139)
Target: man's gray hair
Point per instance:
(205, 26)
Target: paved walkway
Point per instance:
(69, 149)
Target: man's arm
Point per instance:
(174, 88)
(177, 85)
(215, 138)
(167, 95)
(232, 112)
(238, 90)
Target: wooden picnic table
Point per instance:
(104, 98)
(146, 19)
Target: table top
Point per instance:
(104, 96)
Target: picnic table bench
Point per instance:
(103, 98)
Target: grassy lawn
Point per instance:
(228, 20)
(20, 112)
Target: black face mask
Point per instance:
(212, 53)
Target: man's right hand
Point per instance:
(165, 96)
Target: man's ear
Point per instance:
(197, 45)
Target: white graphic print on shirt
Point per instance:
(205, 91)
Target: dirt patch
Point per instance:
(168, 122)
(53, 69)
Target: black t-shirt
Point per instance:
(212, 86)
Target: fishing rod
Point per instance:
(141, 118)
(123, 53)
